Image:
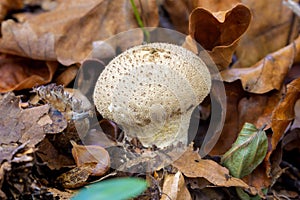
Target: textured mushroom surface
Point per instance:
(151, 90)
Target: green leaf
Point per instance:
(116, 189)
(247, 152)
(244, 196)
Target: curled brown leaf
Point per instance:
(17, 73)
(266, 75)
(91, 154)
(219, 32)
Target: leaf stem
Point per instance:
(139, 20)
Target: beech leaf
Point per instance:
(247, 152)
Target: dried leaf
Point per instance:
(247, 152)
(174, 188)
(54, 159)
(67, 76)
(178, 12)
(216, 5)
(58, 34)
(291, 140)
(91, 154)
(276, 30)
(222, 32)
(18, 73)
(284, 112)
(191, 165)
(7, 5)
(257, 109)
(18, 125)
(267, 74)
(76, 177)
(234, 93)
(7, 150)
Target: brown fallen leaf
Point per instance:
(178, 11)
(53, 158)
(291, 140)
(6, 151)
(76, 177)
(258, 179)
(60, 34)
(91, 154)
(174, 188)
(17, 73)
(191, 165)
(20, 125)
(219, 33)
(257, 108)
(216, 5)
(284, 113)
(244, 107)
(266, 75)
(67, 76)
(234, 93)
(277, 29)
(7, 5)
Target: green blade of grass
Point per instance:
(116, 189)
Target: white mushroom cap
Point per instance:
(151, 90)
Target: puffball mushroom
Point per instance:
(151, 91)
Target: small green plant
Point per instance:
(113, 189)
(139, 20)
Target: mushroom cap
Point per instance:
(151, 90)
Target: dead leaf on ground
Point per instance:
(244, 107)
(291, 140)
(219, 33)
(234, 93)
(20, 125)
(6, 151)
(76, 177)
(67, 76)
(268, 74)
(60, 34)
(7, 5)
(258, 178)
(17, 73)
(174, 188)
(53, 158)
(191, 165)
(257, 108)
(91, 154)
(215, 5)
(284, 113)
(272, 33)
(178, 12)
